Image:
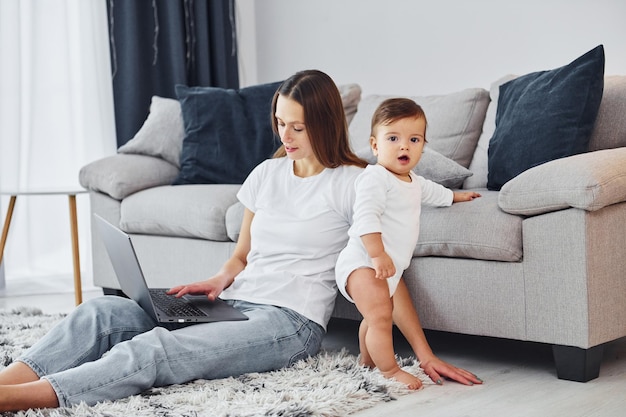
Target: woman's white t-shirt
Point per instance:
(300, 225)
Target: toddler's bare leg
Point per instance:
(371, 296)
(366, 359)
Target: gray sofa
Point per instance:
(542, 259)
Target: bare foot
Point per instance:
(404, 377)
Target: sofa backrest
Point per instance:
(610, 128)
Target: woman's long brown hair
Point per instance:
(324, 117)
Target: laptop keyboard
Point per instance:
(173, 306)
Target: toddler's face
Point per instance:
(399, 145)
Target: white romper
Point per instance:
(385, 204)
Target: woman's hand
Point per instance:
(212, 288)
(437, 369)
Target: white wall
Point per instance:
(425, 46)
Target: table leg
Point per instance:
(78, 289)
(7, 223)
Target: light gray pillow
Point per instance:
(350, 97)
(586, 181)
(161, 135)
(121, 175)
(479, 165)
(432, 166)
(454, 122)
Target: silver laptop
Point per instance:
(162, 307)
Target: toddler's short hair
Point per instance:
(393, 109)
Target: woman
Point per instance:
(281, 275)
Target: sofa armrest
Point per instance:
(123, 174)
(587, 181)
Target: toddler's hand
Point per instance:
(383, 266)
(460, 196)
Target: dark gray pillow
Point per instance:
(227, 132)
(545, 115)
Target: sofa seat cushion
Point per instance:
(194, 210)
(478, 229)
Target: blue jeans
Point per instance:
(109, 348)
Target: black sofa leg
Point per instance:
(113, 291)
(576, 364)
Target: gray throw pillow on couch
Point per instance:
(122, 175)
(161, 135)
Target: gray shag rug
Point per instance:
(328, 384)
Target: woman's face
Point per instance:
(292, 129)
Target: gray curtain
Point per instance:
(156, 44)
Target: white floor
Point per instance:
(54, 294)
(519, 377)
(519, 381)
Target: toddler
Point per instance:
(384, 233)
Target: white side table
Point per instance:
(70, 192)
